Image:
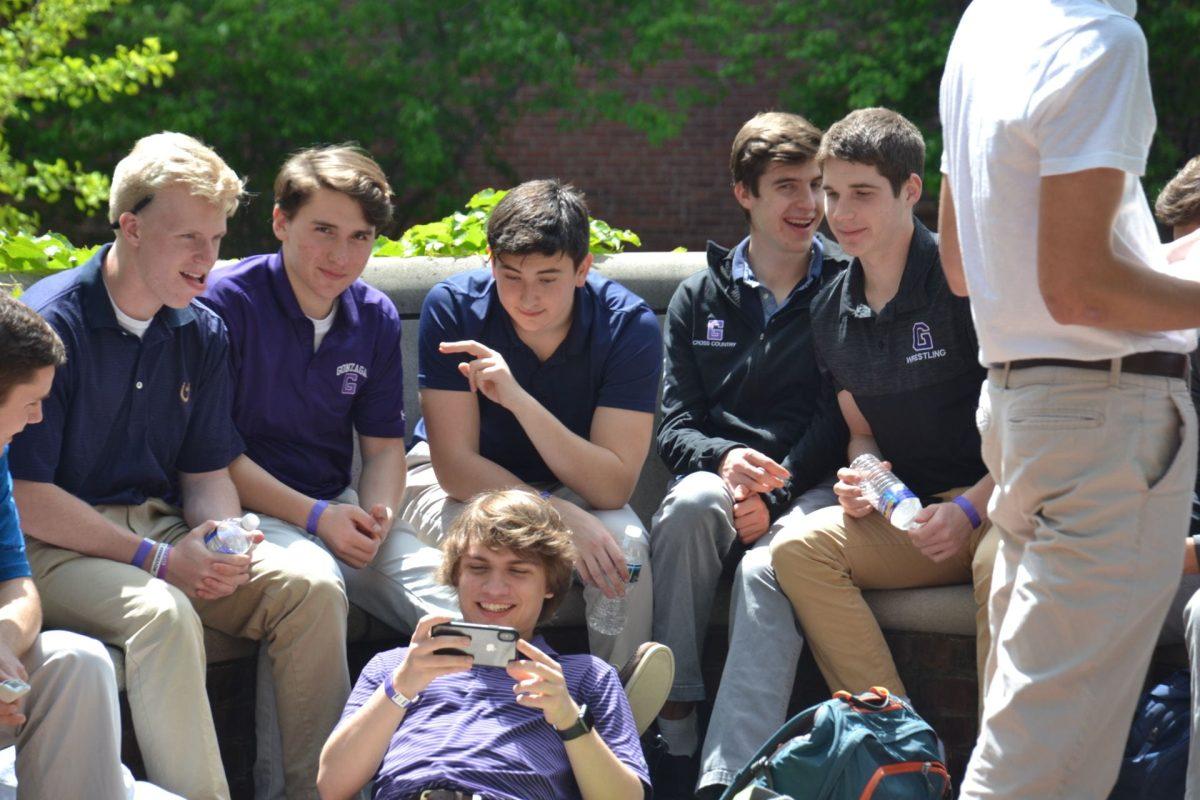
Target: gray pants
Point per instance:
(692, 534)
(70, 743)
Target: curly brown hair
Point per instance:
(1179, 202)
(518, 521)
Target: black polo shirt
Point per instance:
(913, 369)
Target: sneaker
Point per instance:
(647, 679)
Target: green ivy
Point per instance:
(38, 70)
(464, 233)
(24, 252)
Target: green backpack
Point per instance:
(872, 745)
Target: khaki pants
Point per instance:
(825, 562)
(70, 744)
(300, 613)
(1094, 474)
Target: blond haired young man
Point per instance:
(121, 481)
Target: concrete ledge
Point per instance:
(936, 609)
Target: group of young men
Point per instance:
(161, 395)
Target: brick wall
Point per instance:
(672, 194)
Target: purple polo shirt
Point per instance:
(467, 732)
(612, 357)
(297, 409)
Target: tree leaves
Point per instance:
(464, 233)
(37, 72)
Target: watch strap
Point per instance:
(389, 688)
(583, 725)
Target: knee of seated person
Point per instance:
(808, 541)
(81, 655)
(309, 585)
(754, 567)
(165, 603)
(699, 493)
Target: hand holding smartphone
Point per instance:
(491, 645)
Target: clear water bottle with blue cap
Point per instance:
(607, 614)
(886, 493)
(232, 536)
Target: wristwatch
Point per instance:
(396, 697)
(582, 726)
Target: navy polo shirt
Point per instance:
(13, 563)
(912, 369)
(126, 415)
(298, 409)
(612, 357)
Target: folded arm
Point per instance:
(1082, 280)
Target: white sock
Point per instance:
(681, 735)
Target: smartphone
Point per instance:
(491, 645)
(12, 690)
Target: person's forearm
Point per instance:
(208, 495)
(464, 474)
(381, 481)
(1191, 565)
(598, 771)
(980, 494)
(354, 751)
(20, 615)
(596, 473)
(261, 491)
(859, 444)
(948, 246)
(1081, 278)
(1123, 295)
(53, 515)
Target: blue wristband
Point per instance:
(969, 510)
(314, 516)
(139, 558)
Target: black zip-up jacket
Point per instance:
(731, 382)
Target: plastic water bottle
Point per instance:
(232, 536)
(887, 493)
(607, 614)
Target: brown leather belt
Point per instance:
(1165, 365)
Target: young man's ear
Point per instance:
(279, 223)
(911, 190)
(130, 227)
(581, 272)
(743, 195)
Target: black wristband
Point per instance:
(583, 725)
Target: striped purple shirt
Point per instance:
(468, 733)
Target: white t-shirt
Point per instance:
(1035, 88)
(322, 326)
(137, 327)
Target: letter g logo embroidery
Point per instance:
(922, 337)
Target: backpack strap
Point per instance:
(875, 700)
(792, 728)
